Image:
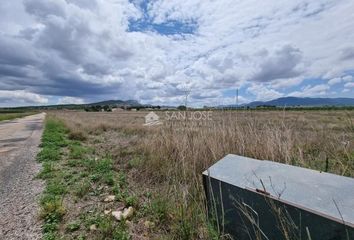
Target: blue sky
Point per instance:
(169, 27)
(77, 51)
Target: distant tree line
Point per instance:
(108, 108)
(98, 108)
(143, 107)
(286, 108)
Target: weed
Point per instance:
(74, 163)
(81, 237)
(131, 201)
(73, 226)
(94, 177)
(10, 116)
(107, 227)
(120, 194)
(108, 178)
(122, 179)
(50, 236)
(103, 165)
(55, 187)
(77, 135)
(82, 188)
(121, 232)
(159, 209)
(135, 162)
(52, 209)
(49, 153)
(47, 170)
(77, 151)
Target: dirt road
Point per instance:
(19, 191)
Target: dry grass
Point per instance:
(14, 115)
(174, 154)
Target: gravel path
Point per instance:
(19, 191)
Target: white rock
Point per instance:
(117, 215)
(149, 224)
(128, 212)
(110, 198)
(93, 227)
(106, 212)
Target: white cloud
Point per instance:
(286, 83)
(263, 93)
(20, 96)
(283, 64)
(347, 78)
(79, 49)
(232, 101)
(337, 80)
(311, 91)
(345, 90)
(334, 81)
(349, 85)
(71, 100)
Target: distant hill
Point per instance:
(109, 103)
(116, 103)
(303, 102)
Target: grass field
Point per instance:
(10, 116)
(157, 169)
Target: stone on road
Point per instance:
(19, 190)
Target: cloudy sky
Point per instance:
(76, 51)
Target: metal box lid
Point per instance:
(327, 194)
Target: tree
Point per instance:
(182, 108)
(106, 108)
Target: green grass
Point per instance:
(73, 226)
(107, 227)
(73, 173)
(81, 189)
(10, 116)
(52, 208)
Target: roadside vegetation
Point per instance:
(14, 115)
(157, 170)
(82, 189)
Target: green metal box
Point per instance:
(259, 199)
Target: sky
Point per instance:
(157, 52)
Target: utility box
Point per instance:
(259, 199)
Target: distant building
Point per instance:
(117, 109)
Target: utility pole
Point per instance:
(236, 103)
(186, 93)
(236, 99)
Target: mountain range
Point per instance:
(115, 103)
(279, 102)
(110, 103)
(305, 102)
